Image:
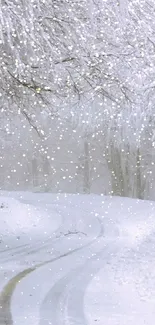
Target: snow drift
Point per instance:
(24, 222)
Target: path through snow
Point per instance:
(98, 267)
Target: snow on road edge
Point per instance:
(20, 222)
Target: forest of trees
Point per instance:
(77, 96)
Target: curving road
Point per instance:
(59, 268)
(96, 257)
(64, 303)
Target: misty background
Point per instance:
(77, 96)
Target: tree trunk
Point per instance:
(86, 170)
(139, 188)
(34, 172)
(46, 174)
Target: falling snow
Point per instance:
(77, 162)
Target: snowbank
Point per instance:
(23, 222)
(128, 219)
(121, 217)
(123, 291)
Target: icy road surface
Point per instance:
(73, 259)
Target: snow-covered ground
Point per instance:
(123, 291)
(86, 259)
(19, 221)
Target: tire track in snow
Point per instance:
(25, 249)
(5, 297)
(7, 292)
(64, 302)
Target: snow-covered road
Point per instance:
(81, 264)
